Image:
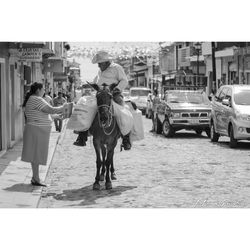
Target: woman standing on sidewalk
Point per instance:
(37, 129)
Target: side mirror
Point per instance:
(226, 102)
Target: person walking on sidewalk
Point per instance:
(155, 102)
(109, 73)
(58, 101)
(37, 129)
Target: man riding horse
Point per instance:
(109, 73)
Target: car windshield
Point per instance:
(187, 97)
(139, 92)
(242, 97)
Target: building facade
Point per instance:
(21, 63)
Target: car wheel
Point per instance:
(167, 129)
(208, 132)
(233, 141)
(198, 131)
(146, 115)
(157, 126)
(213, 135)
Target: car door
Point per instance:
(228, 111)
(218, 109)
(225, 110)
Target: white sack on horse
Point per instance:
(124, 118)
(137, 132)
(83, 114)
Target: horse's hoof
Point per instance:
(113, 176)
(108, 185)
(96, 186)
(101, 177)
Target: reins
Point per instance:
(110, 119)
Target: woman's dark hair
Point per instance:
(33, 88)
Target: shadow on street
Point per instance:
(88, 195)
(21, 187)
(181, 135)
(241, 145)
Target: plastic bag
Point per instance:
(124, 118)
(83, 114)
(137, 132)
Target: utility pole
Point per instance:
(214, 85)
(176, 61)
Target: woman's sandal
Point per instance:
(36, 183)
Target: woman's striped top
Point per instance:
(34, 114)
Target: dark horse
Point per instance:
(105, 133)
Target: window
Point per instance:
(222, 94)
(242, 97)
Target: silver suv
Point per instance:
(230, 114)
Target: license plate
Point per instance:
(194, 121)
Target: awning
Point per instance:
(56, 58)
(225, 52)
(48, 52)
(195, 58)
(169, 77)
(140, 69)
(60, 77)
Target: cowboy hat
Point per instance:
(101, 56)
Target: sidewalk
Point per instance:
(15, 175)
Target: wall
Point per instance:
(5, 96)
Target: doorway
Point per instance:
(12, 103)
(0, 107)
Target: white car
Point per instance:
(231, 114)
(139, 95)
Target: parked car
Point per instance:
(125, 93)
(182, 109)
(231, 114)
(139, 96)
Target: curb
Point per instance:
(59, 139)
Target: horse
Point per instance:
(106, 133)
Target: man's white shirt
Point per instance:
(113, 74)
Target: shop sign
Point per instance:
(30, 54)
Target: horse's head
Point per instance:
(104, 98)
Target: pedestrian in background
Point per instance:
(155, 101)
(48, 99)
(58, 101)
(37, 129)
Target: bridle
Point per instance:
(110, 112)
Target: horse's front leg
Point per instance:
(96, 185)
(110, 154)
(103, 163)
(112, 170)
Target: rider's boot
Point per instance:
(81, 139)
(126, 142)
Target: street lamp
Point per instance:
(197, 50)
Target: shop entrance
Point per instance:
(12, 79)
(1, 107)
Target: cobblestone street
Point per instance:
(185, 171)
